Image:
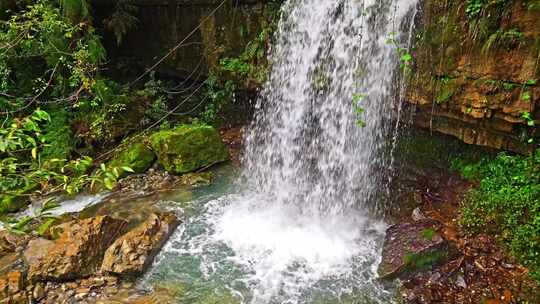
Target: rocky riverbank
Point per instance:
(98, 252)
(428, 252)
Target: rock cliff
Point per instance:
(476, 73)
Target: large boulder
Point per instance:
(132, 253)
(412, 246)
(137, 156)
(76, 253)
(187, 148)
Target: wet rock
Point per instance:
(188, 148)
(132, 253)
(411, 246)
(151, 181)
(195, 179)
(37, 249)
(76, 253)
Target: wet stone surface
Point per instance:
(410, 247)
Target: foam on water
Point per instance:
(274, 254)
(286, 252)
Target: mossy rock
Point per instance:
(137, 156)
(11, 203)
(411, 247)
(187, 148)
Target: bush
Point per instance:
(507, 202)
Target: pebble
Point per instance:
(460, 281)
(39, 291)
(417, 215)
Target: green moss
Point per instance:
(136, 156)
(423, 261)
(187, 148)
(428, 234)
(447, 88)
(11, 203)
(58, 136)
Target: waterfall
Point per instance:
(305, 146)
(299, 229)
(315, 152)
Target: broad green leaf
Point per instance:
(128, 169)
(109, 183)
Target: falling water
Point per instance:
(300, 230)
(305, 146)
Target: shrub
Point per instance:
(507, 202)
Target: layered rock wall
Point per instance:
(477, 76)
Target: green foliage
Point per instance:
(45, 56)
(532, 4)
(474, 8)
(155, 93)
(75, 10)
(507, 202)
(58, 131)
(25, 164)
(21, 225)
(107, 176)
(358, 110)
(108, 102)
(404, 56)
(233, 73)
(217, 93)
(250, 65)
(527, 116)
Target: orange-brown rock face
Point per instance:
(477, 77)
(12, 288)
(132, 253)
(76, 253)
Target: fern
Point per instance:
(122, 20)
(76, 10)
(500, 38)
